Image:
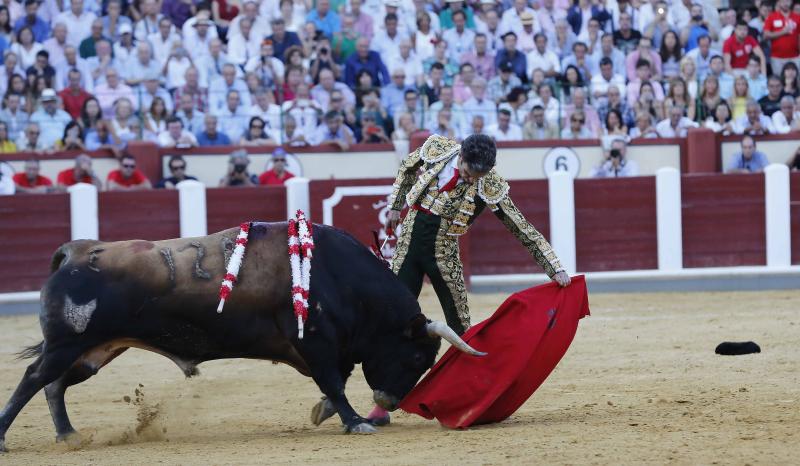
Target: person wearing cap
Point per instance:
(501, 85)
(124, 48)
(55, 45)
(446, 15)
(512, 17)
(525, 36)
(459, 39)
(40, 27)
(277, 174)
(51, 119)
(237, 171)
(114, 20)
(78, 22)
(509, 54)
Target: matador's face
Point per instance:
(466, 173)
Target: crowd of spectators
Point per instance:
(96, 74)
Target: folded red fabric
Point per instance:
(526, 338)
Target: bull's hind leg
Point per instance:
(84, 368)
(49, 366)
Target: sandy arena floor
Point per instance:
(641, 384)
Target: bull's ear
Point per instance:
(416, 327)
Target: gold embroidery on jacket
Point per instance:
(448, 261)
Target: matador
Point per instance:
(447, 185)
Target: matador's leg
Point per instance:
(447, 277)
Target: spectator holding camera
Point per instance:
(748, 160)
(237, 171)
(616, 165)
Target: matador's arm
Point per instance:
(406, 177)
(529, 236)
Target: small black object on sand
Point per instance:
(731, 348)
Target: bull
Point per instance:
(103, 298)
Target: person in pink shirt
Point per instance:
(643, 74)
(461, 87)
(643, 51)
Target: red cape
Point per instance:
(525, 338)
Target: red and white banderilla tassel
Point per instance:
(234, 264)
(301, 243)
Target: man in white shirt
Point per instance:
(479, 104)
(233, 118)
(676, 125)
(244, 45)
(753, 122)
(162, 40)
(446, 100)
(387, 40)
(408, 60)
(784, 120)
(55, 45)
(266, 109)
(542, 58)
(51, 119)
(504, 130)
(149, 23)
(211, 67)
(136, 70)
(511, 17)
(220, 87)
(72, 60)
(176, 136)
(78, 22)
(199, 35)
(259, 25)
(459, 39)
(605, 79)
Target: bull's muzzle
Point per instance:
(385, 400)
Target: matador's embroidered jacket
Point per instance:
(460, 206)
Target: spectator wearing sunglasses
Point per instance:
(278, 174)
(577, 128)
(177, 170)
(127, 177)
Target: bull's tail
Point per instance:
(31, 352)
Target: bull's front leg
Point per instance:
(330, 382)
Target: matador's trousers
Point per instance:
(424, 248)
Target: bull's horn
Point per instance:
(440, 329)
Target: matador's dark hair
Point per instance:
(479, 152)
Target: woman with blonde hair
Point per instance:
(741, 94)
(689, 75)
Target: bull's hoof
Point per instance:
(380, 421)
(322, 411)
(72, 439)
(362, 428)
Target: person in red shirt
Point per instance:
(82, 173)
(278, 174)
(31, 181)
(127, 177)
(781, 28)
(737, 49)
(73, 96)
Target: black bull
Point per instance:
(103, 298)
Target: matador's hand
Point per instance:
(392, 220)
(562, 278)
